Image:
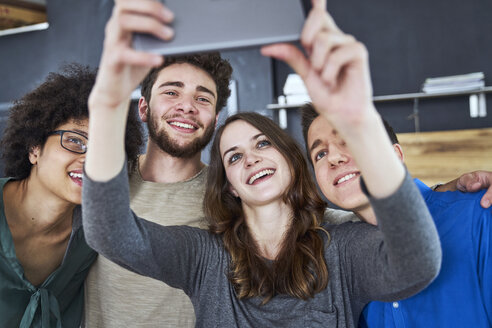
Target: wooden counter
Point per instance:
(443, 156)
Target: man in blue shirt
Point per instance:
(461, 296)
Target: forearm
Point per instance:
(165, 253)
(106, 216)
(448, 186)
(106, 146)
(368, 141)
(112, 229)
(411, 255)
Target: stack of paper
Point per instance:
(456, 83)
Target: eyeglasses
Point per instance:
(72, 141)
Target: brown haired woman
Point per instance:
(268, 260)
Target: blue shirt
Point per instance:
(461, 295)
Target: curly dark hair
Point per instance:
(219, 69)
(61, 98)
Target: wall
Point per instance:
(76, 34)
(409, 41)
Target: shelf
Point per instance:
(399, 97)
(477, 103)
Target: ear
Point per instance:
(216, 121)
(399, 151)
(143, 109)
(34, 154)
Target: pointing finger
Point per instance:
(290, 55)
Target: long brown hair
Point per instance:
(299, 269)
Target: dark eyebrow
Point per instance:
(180, 84)
(227, 151)
(81, 132)
(235, 147)
(315, 144)
(173, 83)
(257, 136)
(203, 89)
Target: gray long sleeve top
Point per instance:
(365, 263)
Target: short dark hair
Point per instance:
(309, 114)
(219, 69)
(60, 98)
(391, 133)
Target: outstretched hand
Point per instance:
(122, 68)
(475, 181)
(471, 182)
(335, 71)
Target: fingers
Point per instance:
(145, 7)
(486, 200)
(475, 181)
(289, 54)
(336, 72)
(135, 16)
(319, 4)
(467, 182)
(326, 43)
(328, 48)
(340, 60)
(131, 22)
(138, 58)
(317, 21)
(144, 16)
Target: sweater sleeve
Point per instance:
(399, 257)
(171, 254)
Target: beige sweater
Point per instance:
(116, 297)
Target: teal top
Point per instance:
(59, 300)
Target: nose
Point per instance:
(81, 158)
(187, 105)
(251, 159)
(336, 156)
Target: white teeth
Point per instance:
(259, 175)
(347, 177)
(183, 125)
(75, 175)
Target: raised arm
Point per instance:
(336, 75)
(173, 254)
(121, 70)
(405, 254)
(112, 229)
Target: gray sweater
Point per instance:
(365, 263)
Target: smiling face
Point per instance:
(56, 170)
(181, 113)
(257, 171)
(336, 172)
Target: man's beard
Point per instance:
(171, 147)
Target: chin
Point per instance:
(352, 205)
(75, 198)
